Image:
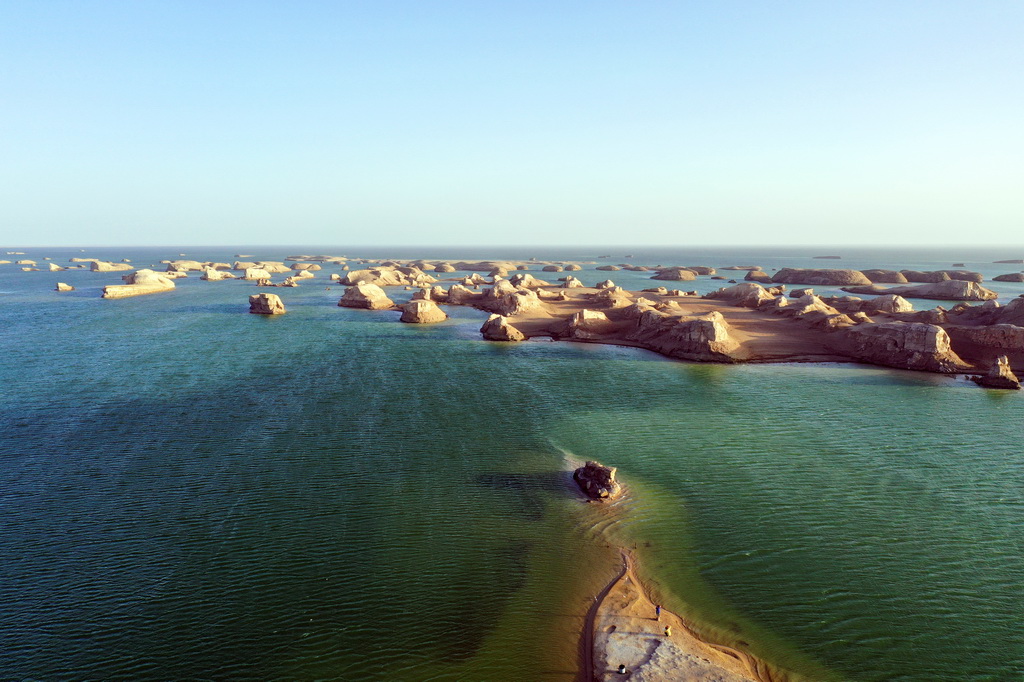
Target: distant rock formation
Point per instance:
(388, 276)
(746, 295)
(677, 274)
(1011, 277)
(597, 481)
(266, 304)
(367, 296)
(551, 268)
(999, 376)
(586, 325)
(757, 276)
(823, 277)
(888, 303)
(907, 345)
(61, 286)
(885, 276)
(946, 290)
(211, 275)
(306, 266)
(422, 312)
(138, 284)
(497, 328)
(104, 266)
(609, 268)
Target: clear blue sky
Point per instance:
(497, 122)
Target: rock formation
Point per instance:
(422, 312)
(907, 345)
(885, 276)
(696, 337)
(823, 277)
(1011, 277)
(586, 325)
(61, 286)
(946, 290)
(677, 274)
(368, 296)
(104, 266)
(597, 481)
(746, 295)
(999, 376)
(497, 328)
(138, 284)
(266, 304)
(758, 276)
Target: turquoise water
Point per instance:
(189, 491)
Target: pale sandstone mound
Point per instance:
(702, 338)
(444, 267)
(573, 267)
(184, 266)
(746, 295)
(612, 297)
(104, 266)
(889, 303)
(55, 268)
(572, 283)
(256, 274)
(422, 312)
(758, 276)
(586, 325)
(29, 262)
(822, 276)
(608, 268)
(701, 269)
(947, 290)
(460, 295)
(551, 268)
(61, 286)
(885, 276)
(528, 281)
(505, 299)
(912, 345)
(606, 284)
(497, 328)
(212, 275)
(1011, 277)
(368, 296)
(306, 266)
(925, 277)
(999, 376)
(678, 274)
(388, 276)
(266, 304)
(138, 284)
(597, 481)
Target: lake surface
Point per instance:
(190, 491)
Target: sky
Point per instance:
(502, 123)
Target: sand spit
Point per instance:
(623, 628)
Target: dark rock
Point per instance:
(597, 481)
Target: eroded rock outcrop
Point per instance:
(885, 276)
(597, 481)
(266, 304)
(820, 276)
(758, 276)
(999, 376)
(367, 296)
(586, 325)
(422, 311)
(678, 274)
(703, 338)
(1011, 277)
(61, 286)
(746, 295)
(105, 266)
(946, 290)
(139, 283)
(907, 345)
(498, 328)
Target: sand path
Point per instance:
(621, 628)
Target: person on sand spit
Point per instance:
(668, 630)
(657, 612)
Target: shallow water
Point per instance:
(192, 491)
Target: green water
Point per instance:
(189, 491)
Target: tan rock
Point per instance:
(822, 276)
(497, 328)
(266, 304)
(745, 294)
(306, 266)
(999, 376)
(368, 296)
(55, 268)
(908, 345)
(256, 274)
(139, 283)
(758, 276)
(606, 284)
(527, 281)
(104, 266)
(422, 311)
(586, 325)
(675, 274)
(61, 286)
